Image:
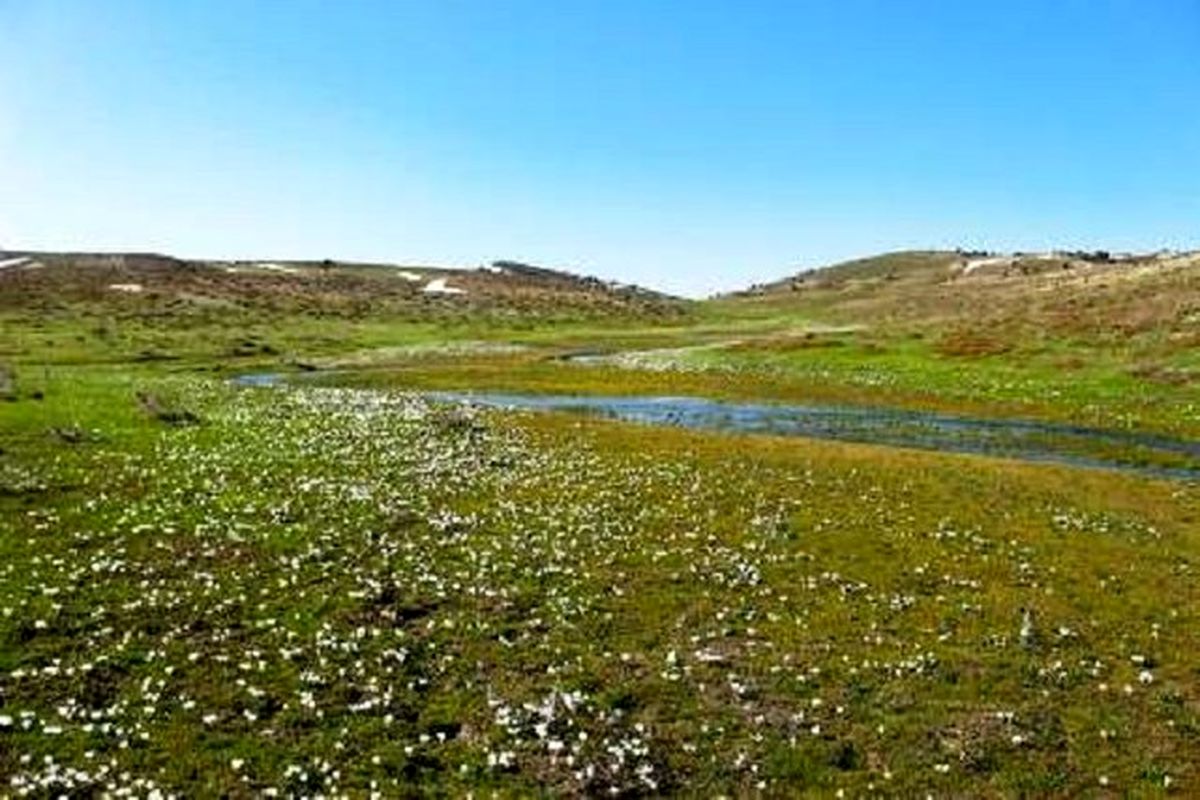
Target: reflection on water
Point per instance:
(1032, 441)
(1147, 454)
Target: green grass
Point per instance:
(865, 338)
(343, 589)
(341, 576)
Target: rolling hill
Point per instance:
(146, 284)
(1098, 296)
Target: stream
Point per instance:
(1146, 454)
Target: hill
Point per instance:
(1093, 295)
(907, 264)
(147, 284)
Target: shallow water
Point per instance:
(1020, 439)
(259, 379)
(1026, 440)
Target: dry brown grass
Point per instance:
(175, 287)
(971, 344)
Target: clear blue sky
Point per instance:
(690, 145)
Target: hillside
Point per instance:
(1097, 296)
(906, 264)
(149, 285)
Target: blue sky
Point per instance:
(691, 146)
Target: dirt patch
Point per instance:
(971, 344)
(1160, 373)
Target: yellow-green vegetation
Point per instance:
(338, 586)
(1105, 341)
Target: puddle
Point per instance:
(259, 379)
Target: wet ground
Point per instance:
(1025, 440)
(1146, 454)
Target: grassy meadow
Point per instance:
(337, 587)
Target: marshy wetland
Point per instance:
(382, 579)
